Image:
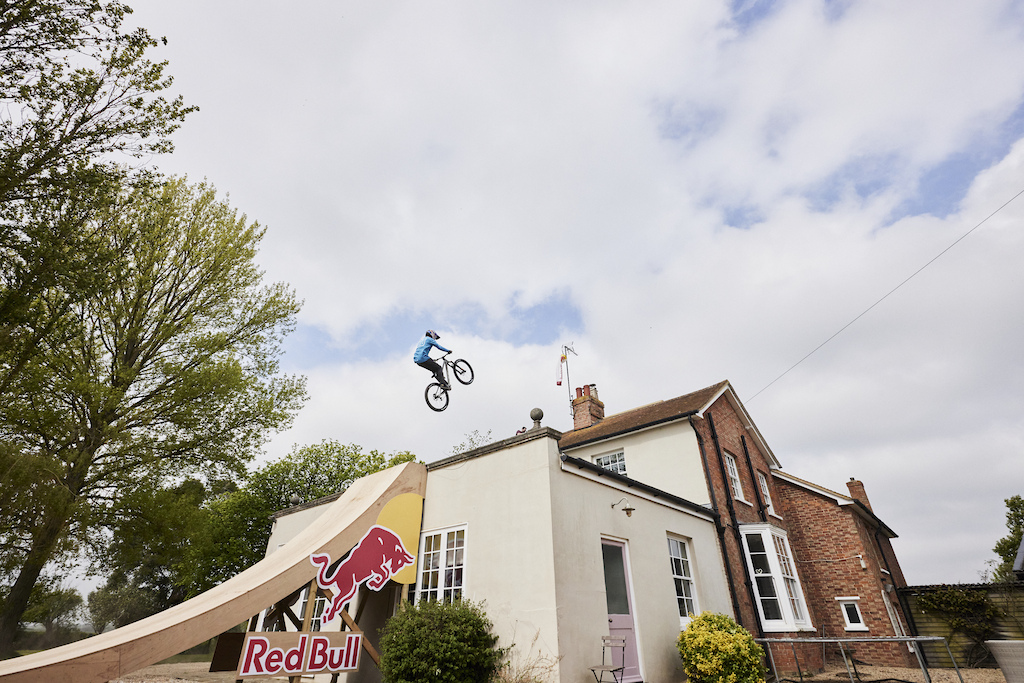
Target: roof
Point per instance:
(639, 485)
(645, 416)
(682, 407)
(839, 498)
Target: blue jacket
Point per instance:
(423, 350)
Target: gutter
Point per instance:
(640, 486)
(647, 425)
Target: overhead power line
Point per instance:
(888, 294)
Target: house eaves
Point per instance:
(647, 489)
(839, 499)
(687, 406)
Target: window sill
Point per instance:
(745, 502)
(862, 629)
(785, 628)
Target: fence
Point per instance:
(964, 632)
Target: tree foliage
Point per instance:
(168, 370)
(969, 614)
(118, 605)
(75, 90)
(53, 606)
(238, 523)
(1006, 548)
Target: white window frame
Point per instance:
(762, 481)
(682, 573)
(777, 571)
(734, 477)
(613, 462)
(444, 559)
(854, 602)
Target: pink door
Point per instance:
(620, 605)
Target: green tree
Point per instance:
(1006, 548)
(239, 524)
(149, 537)
(75, 89)
(171, 371)
(118, 605)
(55, 608)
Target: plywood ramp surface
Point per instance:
(127, 649)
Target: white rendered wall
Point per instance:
(666, 457)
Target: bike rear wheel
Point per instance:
(463, 371)
(437, 396)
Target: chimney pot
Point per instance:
(587, 409)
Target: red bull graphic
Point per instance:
(295, 654)
(377, 557)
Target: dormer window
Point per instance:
(613, 462)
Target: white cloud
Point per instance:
(417, 159)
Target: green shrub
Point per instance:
(439, 642)
(715, 649)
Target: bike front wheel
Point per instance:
(437, 396)
(463, 371)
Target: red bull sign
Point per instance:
(377, 557)
(299, 654)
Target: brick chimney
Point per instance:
(587, 409)
(857, 492)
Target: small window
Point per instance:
(682, 576)
(615, 462)
(850, 608)
(763, 482)
(734, 477)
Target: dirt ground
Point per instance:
(197, 673)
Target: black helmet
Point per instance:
(433, 335)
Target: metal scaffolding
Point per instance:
(848, 659)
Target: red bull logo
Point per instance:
(377, 557)
(296, 654)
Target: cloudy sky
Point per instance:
(685, 192)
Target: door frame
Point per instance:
(634, 631)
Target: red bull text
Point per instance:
(377, 557)
(297, 654)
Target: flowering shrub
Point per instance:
(715, 649)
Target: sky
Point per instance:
(684, 192)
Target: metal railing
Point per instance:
(848, 658)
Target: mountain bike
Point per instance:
(437, 393)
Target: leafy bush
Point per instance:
(439, 642)
(715, 649)
(969, 614)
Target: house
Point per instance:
(626, 525)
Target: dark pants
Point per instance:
(433, 367)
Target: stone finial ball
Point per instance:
(536, 414)
(295, 500)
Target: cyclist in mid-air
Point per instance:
(422, 356)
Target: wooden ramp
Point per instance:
(132, 647)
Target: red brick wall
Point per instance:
(731, 437)
(820, 534)
(826, 539)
